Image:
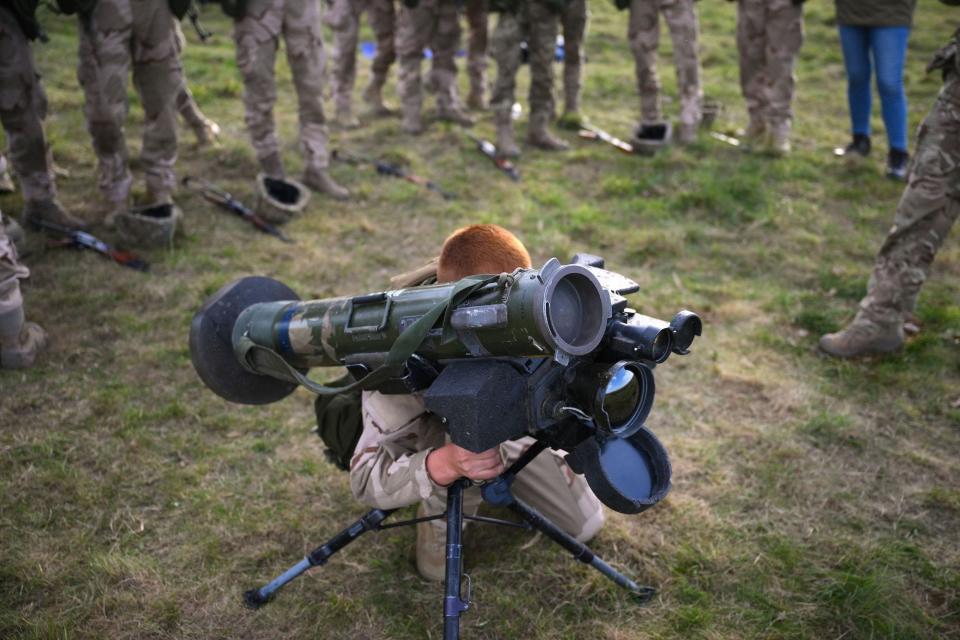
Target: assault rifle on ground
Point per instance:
(84, 240)
(489, 149)
(387, 169)
(589, 132)
(224, 200)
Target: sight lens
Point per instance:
(621, 397)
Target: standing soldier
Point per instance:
(478, 13)
(23, 105)
(257, 32)
(536, 22)
(927, 210)
(435, 23)
(344, 19)
(769, 36)
(574, 23)
(115, 37)
(644, 36)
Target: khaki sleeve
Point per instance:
(388, 469)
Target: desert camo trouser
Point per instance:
(769, 37)
(257, 37)
(574, 24)
(478, 13)
(117, 37)
(536, 23)
(433, 23)
(927, 210)
(644, 36)
(23, 106)
(344, 18)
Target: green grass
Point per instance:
(811, 498)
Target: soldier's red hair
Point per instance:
(480, 248)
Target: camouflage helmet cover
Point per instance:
(279, 200)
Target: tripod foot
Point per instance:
(643, 595)
(253, 599)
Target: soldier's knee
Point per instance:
(591, 525)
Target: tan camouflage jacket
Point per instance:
(389, 468)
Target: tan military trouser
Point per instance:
(547, 484)
(536, 24)
(184, 103)
(11, 272)
(644, 35)
(433, 23)
(257, 37)
(574, 25)
(118, 36)
(23, 106)
(478, 13)
(344, 19)
(929, 207)
(769, 37)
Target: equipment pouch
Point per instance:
(340, 422)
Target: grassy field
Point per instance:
(811, 499)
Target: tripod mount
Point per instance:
(455, 602)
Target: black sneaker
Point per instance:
(857, 149)
(897, 161)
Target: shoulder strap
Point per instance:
(404, 346)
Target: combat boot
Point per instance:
(206, 131)
(755, 132)
(539, 136)
(412, 122)
(272, 166)
(35, 212)
(476, 99)
(687, 133)
(453, 112)
(863, 337)
(506, 142)
(373, 96)
(20, 341)
(431, 548)
(778, 143)
(344, 118)
(320, 180)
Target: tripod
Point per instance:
(496, 492)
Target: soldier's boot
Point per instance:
(373, 96)
(539, 135)
(206, 131)
(20, 341)
(452, 111)
(36, 212)
(779, 141)
(476, 100)
(687, 132)
(431, 548)
(755, 132)
(863, 337)
(506, 141)
(272, 166)
(15, 232)
(343, 116)
(412, 122)
(320, 180)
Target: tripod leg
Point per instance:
(370, 521)
(498, 492)
(453, 604)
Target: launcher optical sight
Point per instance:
(554, 353)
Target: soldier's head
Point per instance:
(480, 248)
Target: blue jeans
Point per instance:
(887, 46)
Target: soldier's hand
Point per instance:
(450, 462)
